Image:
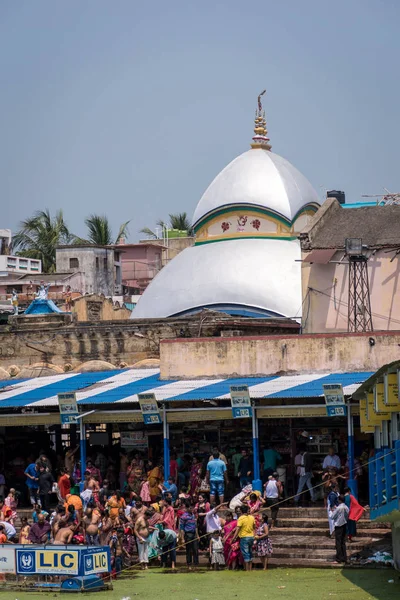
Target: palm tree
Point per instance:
(39, 236)
(152, 235)
(177, 221)
(100, 232)
(180, 221)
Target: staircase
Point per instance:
(301, 539)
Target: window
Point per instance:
(73, 263)
(97, 262)
(105, 263)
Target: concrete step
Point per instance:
(307, 554)
(315, 542)
(322, 531)
(314, 512)
(310, 522)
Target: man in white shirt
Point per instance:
(331, 460)
(10, 530)
(340, 517)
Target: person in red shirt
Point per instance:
(173, 468)
(64, 484)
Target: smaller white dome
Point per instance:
(263, 274)
(259, 178)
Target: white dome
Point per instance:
(260, 178)
(257, 273)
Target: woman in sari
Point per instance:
(231, 548)
(255, 503)
(134, 481)
(195, 478)
(154, 477)
(202, 507)
(356, 511)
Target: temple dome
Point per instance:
(244, 276)
(247, 258)
(261, 179)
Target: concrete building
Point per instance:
(325, 268)
(100, 267)
(10, 264)
(171, 246)
(19, 265)
(140, 263)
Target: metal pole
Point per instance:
(257, 483)
(166, 443)
(351, 482)
(82, 432)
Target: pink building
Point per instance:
(140, 263)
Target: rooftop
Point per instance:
(377, 226)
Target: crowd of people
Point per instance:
(143, 518)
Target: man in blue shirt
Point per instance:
(32, 483)
(217, 478)
(170, 487)
(188, 524)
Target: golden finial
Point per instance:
(260, 139)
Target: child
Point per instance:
(216, 550)
(11, 502)
(263, 542)
(24, 531)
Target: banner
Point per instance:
(149, 408)
(7, 559)
(373, 417)
(47, 561)
(364, 425)
(391, 392)
(68, 407)
(240, 401)
(134, 439)
(95, 560)
(65, 560)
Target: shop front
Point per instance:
(195, 416)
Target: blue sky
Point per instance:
(130, 109)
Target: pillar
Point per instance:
(82, 431)
(352, 481)
(166, 443)
(257, 483)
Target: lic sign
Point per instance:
(48, 562)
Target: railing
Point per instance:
(384, 481)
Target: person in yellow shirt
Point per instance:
(245, 530)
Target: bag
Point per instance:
(204, 486)
(54, 489)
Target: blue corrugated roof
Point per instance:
(120, 386)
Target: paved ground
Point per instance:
(277, 584)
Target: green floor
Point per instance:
(285, 584)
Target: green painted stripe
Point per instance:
(249, 237)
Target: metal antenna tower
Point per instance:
(359, 315)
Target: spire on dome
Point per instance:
(260, 139)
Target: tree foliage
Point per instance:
(39, 236)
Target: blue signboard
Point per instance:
(96, 560)
(241, 413)
(336, 411)
(65, 560)
(240, 402)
